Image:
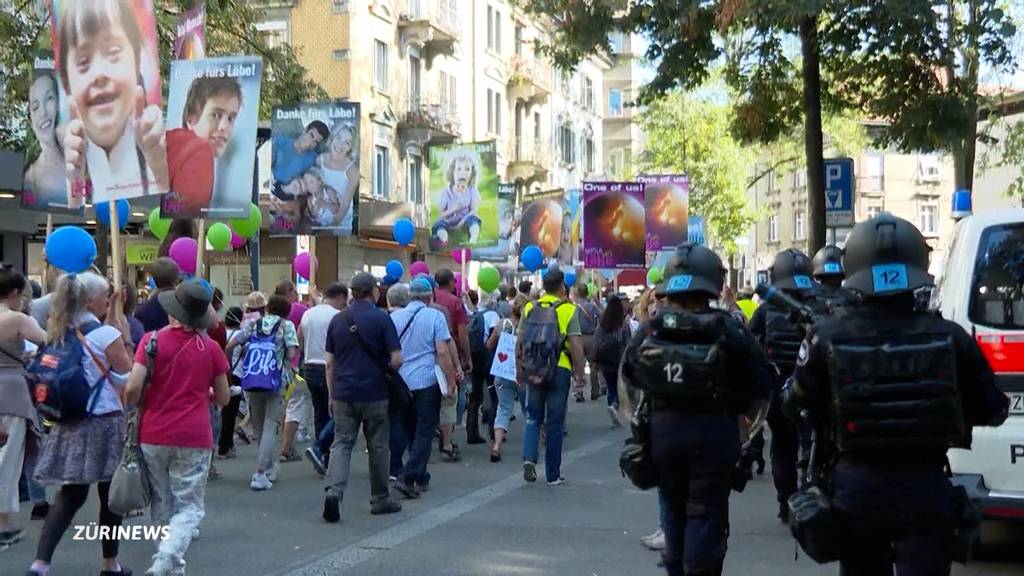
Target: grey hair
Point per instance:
(73, 291)
(487, 299)
(398, 296)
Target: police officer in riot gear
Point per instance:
(829, 274)
(699, 369)
(790, 272)
(891, 388)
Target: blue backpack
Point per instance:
(59, 385)
(260, 368)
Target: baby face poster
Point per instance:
(109, 75)
(463, 196)
(507, 226)
(613, 225)
(314, 169)
(666, 199)
(212, 112)
(44, 182)
(544, 220)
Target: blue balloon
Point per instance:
(532, 258)
(389, 280)
(570, 279)
(70, 249)
(123, 212)
(394, 269)
(404, 231)
(206, 286)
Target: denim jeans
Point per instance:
(177, 477)
(427, 403)
(348, 417)
(546, 406)
(403, 430)
(507, 393)
(316, 381)
(611, 380)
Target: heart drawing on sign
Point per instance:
(502, 357)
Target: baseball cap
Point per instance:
(420, 287)
(364, 281)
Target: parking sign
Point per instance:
(839, 192)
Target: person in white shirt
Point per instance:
(313, 339)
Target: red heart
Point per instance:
(502, 357)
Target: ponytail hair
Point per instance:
(73, 291)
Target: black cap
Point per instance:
(364, 281)
(553, 279)
(189, 304)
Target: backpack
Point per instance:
(477, 345)
(539, 345)
(59, 385)
(608, 347)
(260, 369)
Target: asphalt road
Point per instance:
(479, 518)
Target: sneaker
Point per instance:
(784, 512)
(122, 571)
(579, 397)
(40, 510)
(655, 541)
(313, 455)
(556, 482)
(386, 507)
(613, 413)
(529, 471)
(332, 511)
(230, 454)
(10, 538)
(407, 490)
(260, 482)
(291, 456)
(272, 473)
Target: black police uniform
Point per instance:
(695, 441)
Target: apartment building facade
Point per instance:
(623, 139)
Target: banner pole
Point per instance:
(464, 279)
(201, 250)
(46, 263)
(115, 246)
(616, 281)
(312, 268)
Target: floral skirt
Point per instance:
(83, 451)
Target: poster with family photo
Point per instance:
(108, 71)
(613, 225)
(543, 222)
(190, 40)
(508, 226)
(666, 200)
(314, 187)
(212, 116)
(44, 182)
(463, 196)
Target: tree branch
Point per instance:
(770, 169)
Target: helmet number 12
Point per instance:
(674, 372)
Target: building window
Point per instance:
(616, 41)
(772, 184)
(875, 172)
(447, 92)
(415, 177)
(617, 162)
(381, 172)
(494, 111)
(567, 144)
(274, 33)
(929, 169)
(588, 154)
(340, 54)
(615, 103)
(414, 80)
(928, 218)
(493, 29)
(339, 6)
(873, 211)
(800, 225)
(588, 93)
(519, 40)
(380, 65)
(799, 178)
(773, 228)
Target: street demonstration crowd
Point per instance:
(408, 363)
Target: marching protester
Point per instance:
(590, 316)
(507, 390)
(610, 341)
(177, 370)
(313, 340)
(229, 414)
(458, 325)
(165, 274)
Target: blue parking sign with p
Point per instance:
(838, 192)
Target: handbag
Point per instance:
(129, 488)
(503, 365)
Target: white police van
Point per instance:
(981, 287)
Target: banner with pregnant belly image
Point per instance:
(666, 199)
(212, 115)
(544, 220)
(463, 196)
(314, 185)
(613, 225)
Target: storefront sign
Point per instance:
(137, 254)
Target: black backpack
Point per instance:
(477, 345)
(539, 345)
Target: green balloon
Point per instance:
(655, 276)
(592, 290)
(248, 227)
(157, 225)
(488, 279)
(219, 236)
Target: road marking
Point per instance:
(365, 549)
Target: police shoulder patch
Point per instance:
(803, 354)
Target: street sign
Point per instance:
(695, 229)
(839, 192)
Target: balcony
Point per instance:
(528, 161)
(529, 79)
(427, 120)
(432, 25)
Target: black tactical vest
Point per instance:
(838, 301)
(895, 391)
(681, 363)
(781, 340)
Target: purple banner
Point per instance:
(666, 199)
(613, 225)
(190, 40)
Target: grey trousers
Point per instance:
(265, 413)
(348, 416)
(177, 477)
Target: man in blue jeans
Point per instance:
(313, 340)
(423, 336)
(546, 403)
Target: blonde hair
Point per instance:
(640, 310)
(467, 155)
(73, 291)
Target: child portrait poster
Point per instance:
(613, 225)
(570, 243)
(463, 195)
(212, 116)
(544, 218)
(314, 186)
(44, 183)
(110, 98)
(666, 199)
(507, 226)
(190, 40)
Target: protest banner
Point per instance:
(666, 201)
(544, 218)
(507, 228)
(613, 229)
(190, 40)
(569, 247)
(463, 196)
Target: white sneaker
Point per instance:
(655, 541)
(272, 473)
(613, 413)
(260, 482)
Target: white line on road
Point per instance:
(362, 550)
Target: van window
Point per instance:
(997, 291)
(939, 267)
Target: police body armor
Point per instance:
(838, 301)
(782, 339)
(895, 390)
(681, 364)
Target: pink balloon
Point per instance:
(417, 268)
(460, 254)
(301, 264)
(236, 240)
(183, 251)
